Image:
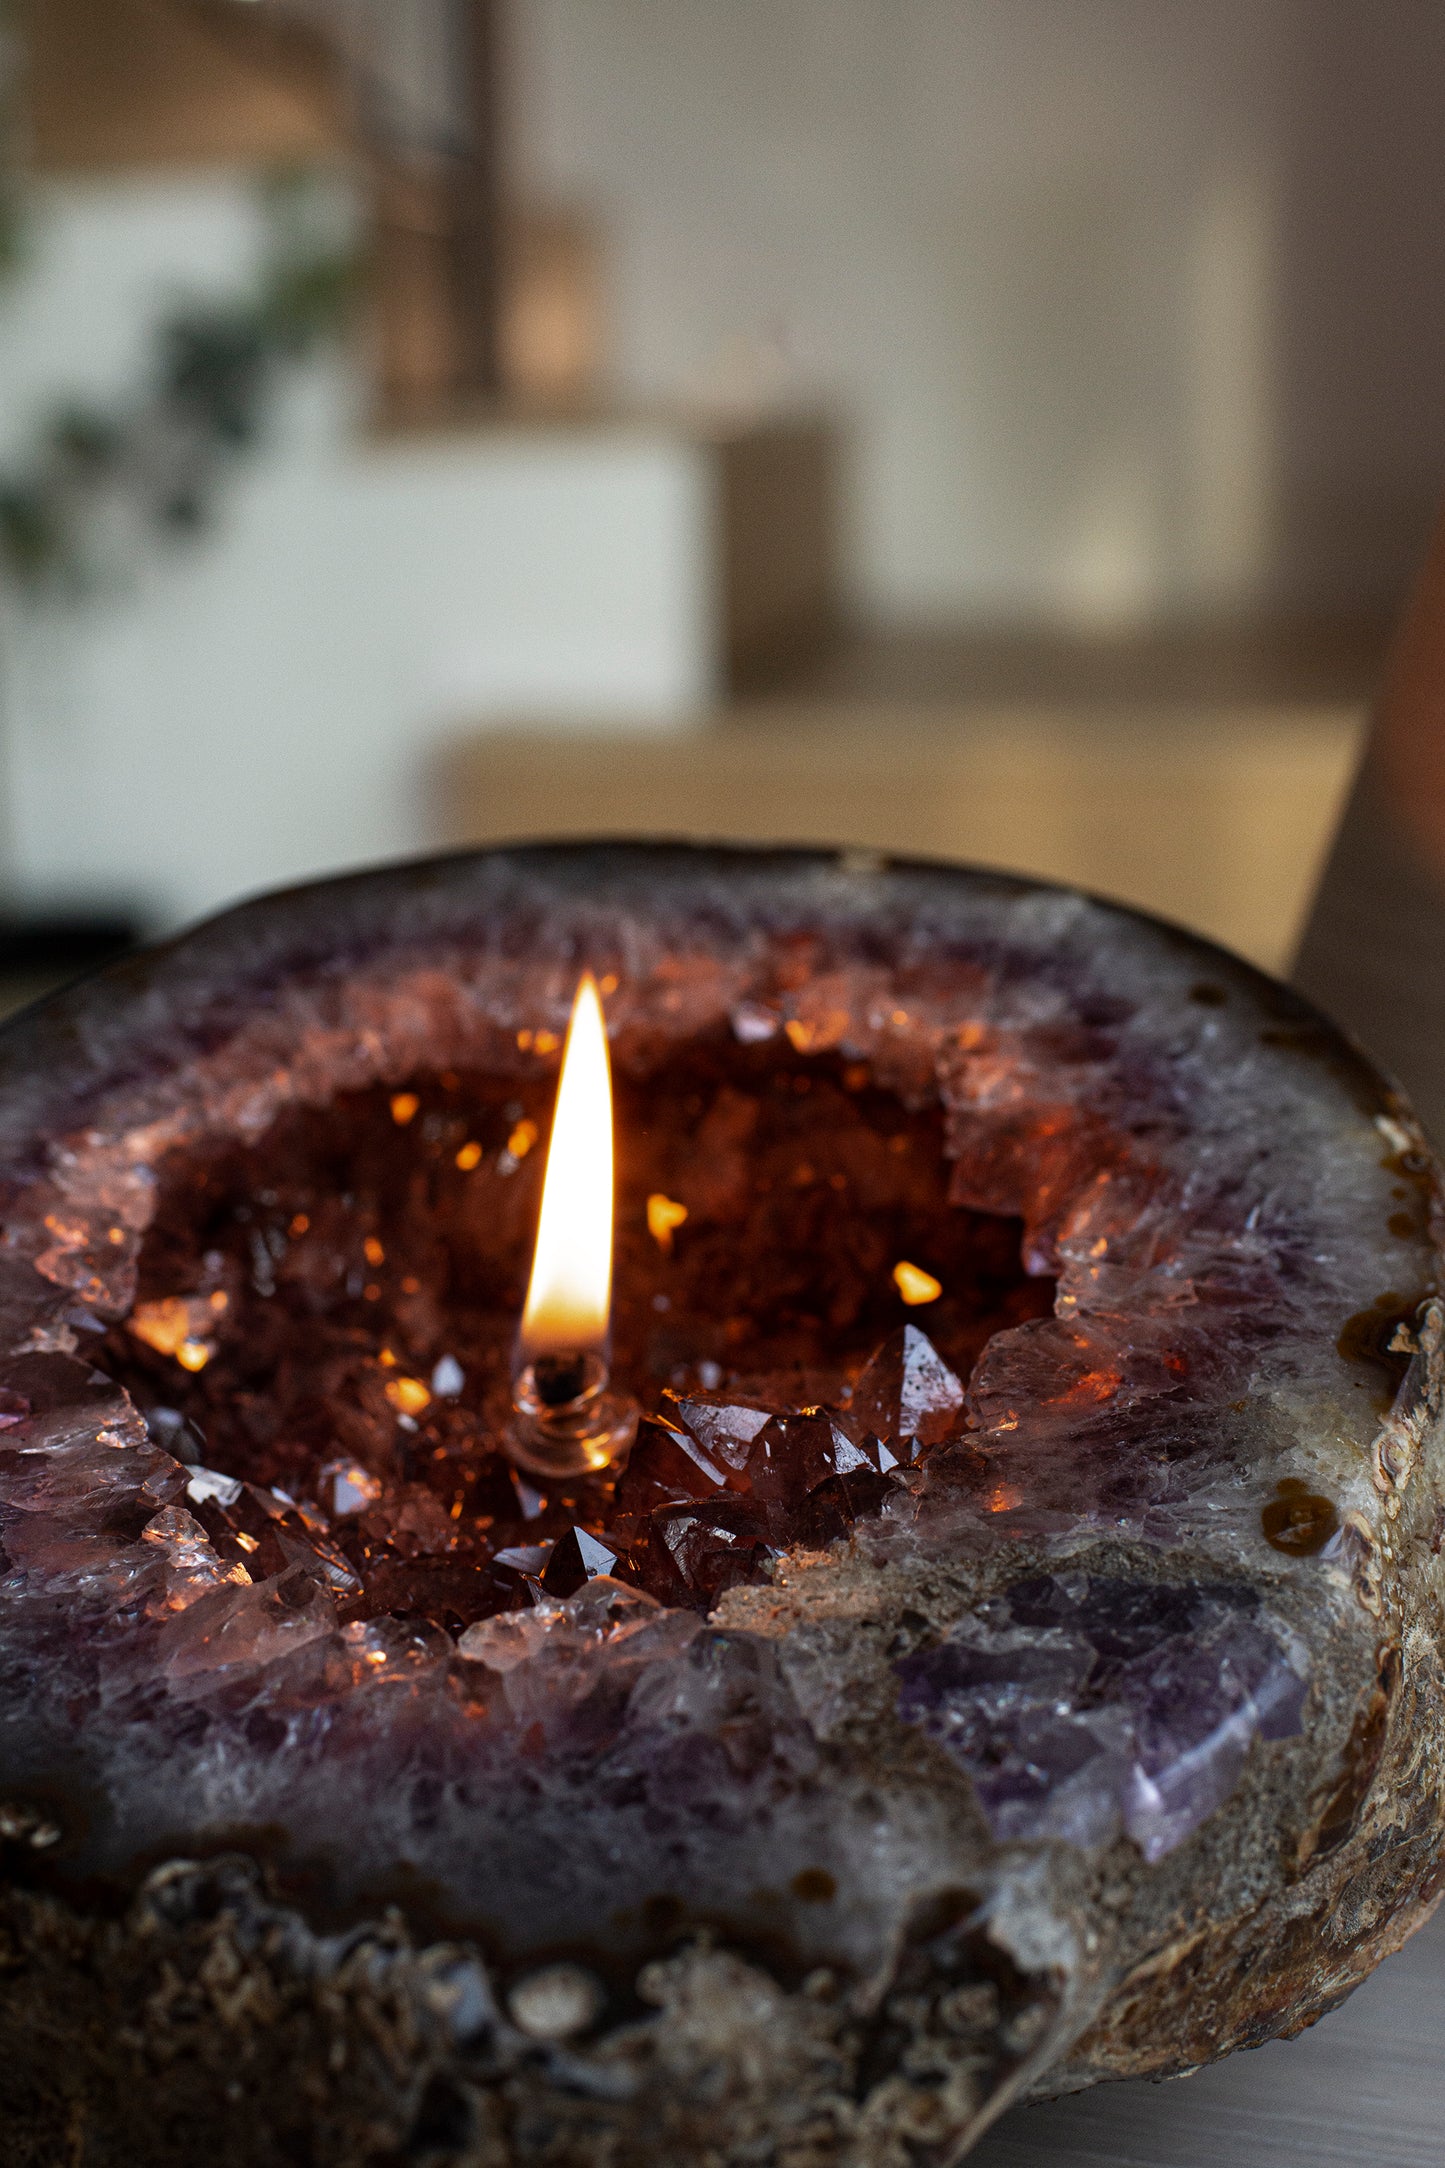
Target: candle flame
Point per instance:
(569, 1296)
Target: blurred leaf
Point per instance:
(32, 534)
(88, 442)
(216, 366)
(183, 511)
(213, 369)
(304, 302)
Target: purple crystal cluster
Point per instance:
(1081, 1704)
(1102, 1506)
(714, 1492)
(326, 1319)
(711, 1498)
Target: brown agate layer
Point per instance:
(949, 1703)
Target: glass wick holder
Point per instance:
(565, 1421)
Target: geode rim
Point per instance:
(977, 1895)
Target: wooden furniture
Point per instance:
(1219, 817)
(777, 544)
(113, 85)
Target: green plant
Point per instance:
(162, 458)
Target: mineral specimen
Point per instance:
(1079, 1705)
(949, 1701)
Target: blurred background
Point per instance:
(1000, 428)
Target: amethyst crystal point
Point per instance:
(345, 1487)
(255, 1528)
(1064, 1701)
(1079, 1706)
(724, 1430)
(831, 1510)
(792, 1454)
(707, 1545)
(907, 1394)
(664, 1467)
(576, 1558)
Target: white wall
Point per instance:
(271, 701)
(1136, 306)
(1123, 296)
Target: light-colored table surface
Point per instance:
(1217, 816)
(1364, 2089)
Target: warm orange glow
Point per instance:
(469, 1156)
(663, 1215)
(914, 1284)
(403, 1107)
(176, 1325)
(570, 1293)
(408, 1395)
(523, 1137)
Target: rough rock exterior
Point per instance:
(1106, 1742)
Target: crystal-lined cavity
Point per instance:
(951, 1633)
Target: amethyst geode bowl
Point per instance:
(956, 1699)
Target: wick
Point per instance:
(558, 1380)
(564, 1419)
